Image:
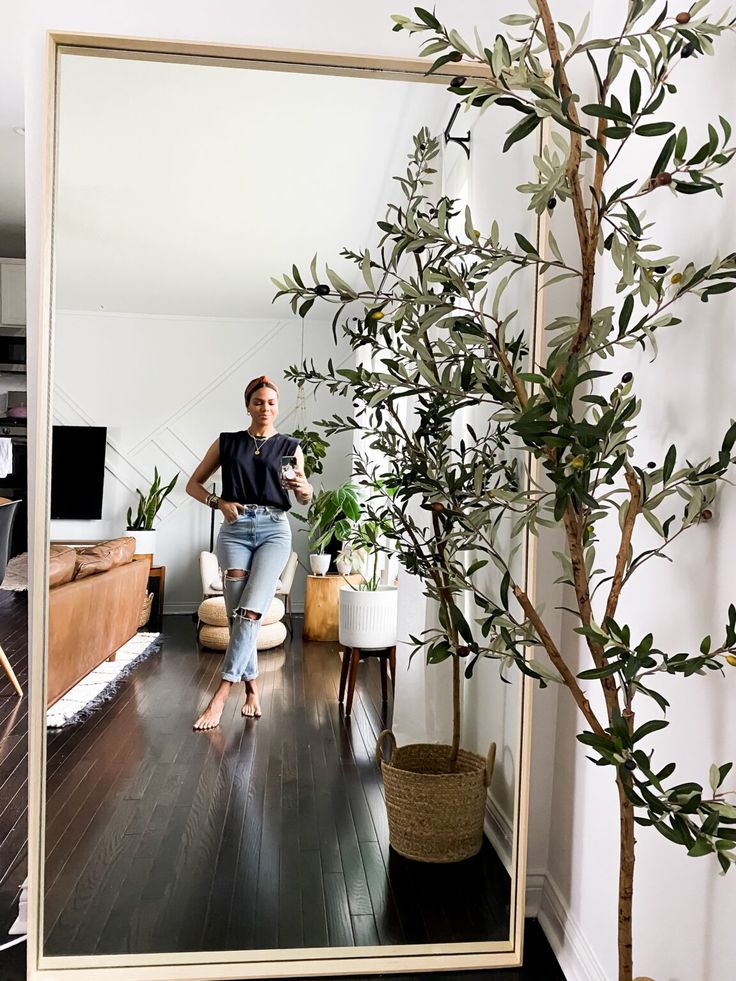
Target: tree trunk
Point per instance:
(627, 845)
(447, 601)
(455, 709)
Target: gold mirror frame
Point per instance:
(307, 962)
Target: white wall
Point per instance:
(165, 387)
(684, 912)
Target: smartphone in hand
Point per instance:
(288, 468)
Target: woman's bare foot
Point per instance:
(252, 706)
(211, 716)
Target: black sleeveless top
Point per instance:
(251, 479)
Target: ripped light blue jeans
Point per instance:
(258, 541)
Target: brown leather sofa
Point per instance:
(95, 599)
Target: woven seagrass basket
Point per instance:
(145, 614)
(434, 815)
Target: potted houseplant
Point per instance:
(329, 520)
(350, 560)
(149, 505)
(570, 420)
(314, 447)
(369, 610)
(429, 503)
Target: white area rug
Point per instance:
(16, 574)
(99, 686)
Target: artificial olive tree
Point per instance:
(431, 312)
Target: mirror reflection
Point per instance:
(231, 608)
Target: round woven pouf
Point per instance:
(214, 638)
(271, 635)
(214, 632)
(274, 613)
(435, 815)
(212, 611)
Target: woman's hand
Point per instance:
(230, 510)
(300, 485)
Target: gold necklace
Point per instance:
(262, 441)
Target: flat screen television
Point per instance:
(77, 471)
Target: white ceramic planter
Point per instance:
(145, 541)
(349, 561)
(368, 619)
(319, 564)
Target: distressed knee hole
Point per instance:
(236, 574)
(247, 614)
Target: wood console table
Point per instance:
(322, 605)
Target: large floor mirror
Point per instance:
(184, 183)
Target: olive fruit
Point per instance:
(455, 56)
(322, 289)
(651, 465)
(552, 204)
(626, 378)
(663, 179)
(706, 514)
(731, 660)
(683, 18)
(688, 50)
(438, 506)
(661, 270)
(463, 651)
(458, 82)
(630, 764)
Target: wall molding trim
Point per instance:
(535, 881)
(181, 317)
(499, 831)
(190, 607)
(569, 944)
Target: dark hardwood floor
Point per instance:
(268, 833)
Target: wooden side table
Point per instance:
(322, 605)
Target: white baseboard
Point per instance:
(499, 832)
(178, 608)
(568, 942)
(534, 891)
(190, 607)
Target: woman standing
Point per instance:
(254, 542)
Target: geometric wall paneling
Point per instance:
(165, 408)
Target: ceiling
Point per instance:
(183, 188)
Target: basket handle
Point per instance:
(379, 746)
(490, 760)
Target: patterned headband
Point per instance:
(260, 382)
